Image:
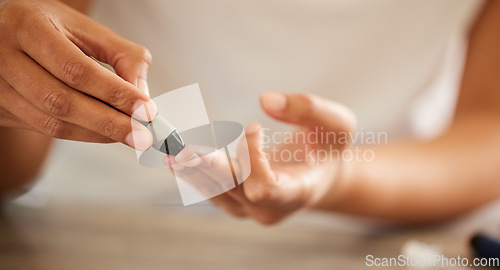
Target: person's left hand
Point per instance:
(279, 183)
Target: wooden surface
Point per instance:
(97, 237)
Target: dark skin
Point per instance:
(22, 157)
(455, 172)
(24, 151)
(408, 181)
(51, 89)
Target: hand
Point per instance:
(49, 85)
(278, 184)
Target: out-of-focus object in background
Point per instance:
(487, 244)
(420, 252)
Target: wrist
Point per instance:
(340, 191)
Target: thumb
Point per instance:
(134, 67)
(308, 111)
(129, 60)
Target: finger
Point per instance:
(262, 182)
(264, 186)
(192, 176)
(214, 163)
(129, 60)
(190, 158)
(242, 160)
(63, 103)
(229, 205)
(169, 160)
(35, 119)
(308, 110)
(211, 162)
(259, 162)
(58, 55)
(200, 181)
(133, 68)
(7, 119)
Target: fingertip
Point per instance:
(142, 84)
(144, 110)
(273, 102)
(139, 139)
(193, 161)
(252, 128)
(169, 160)
(185, 154)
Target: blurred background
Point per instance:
(95, 207)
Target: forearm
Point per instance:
(23, 151)
(424, 181)
(22, 156)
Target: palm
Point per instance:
(304, 163)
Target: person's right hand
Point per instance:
(48, 84)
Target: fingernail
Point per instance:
(139, 139)
(273, 101)
(144, 111)
(142, 84)
(185, 155)
(252, 128)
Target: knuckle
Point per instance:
(53, 127)
(208, 162)
(144, 54)
(309, 104)
(56, 103)
(111, 129)
(76, 74)
(20, 15)
(16, 8)
(119, 97)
